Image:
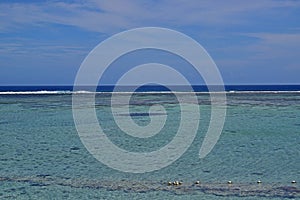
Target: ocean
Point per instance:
(149, 88)
(256, 157)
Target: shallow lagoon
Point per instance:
(42, 155)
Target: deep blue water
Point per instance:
(147, 88)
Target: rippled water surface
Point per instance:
(42, 157)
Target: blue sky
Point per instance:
(252, 42)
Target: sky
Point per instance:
(251, 42)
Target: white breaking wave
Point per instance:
(34, 92)
(262, 92)
(139, 92)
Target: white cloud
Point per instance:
(210, 21)
(276, 46)
(116, 15)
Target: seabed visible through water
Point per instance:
(278, 190)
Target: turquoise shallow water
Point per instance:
(42, 157)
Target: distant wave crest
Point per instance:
(140, 92)
(34, 92)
